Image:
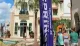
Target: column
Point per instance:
(27, 31)
(18, 29)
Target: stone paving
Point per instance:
(21, 42)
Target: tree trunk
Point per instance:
(35, 32)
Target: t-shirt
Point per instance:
(60, 39)
(74, 37)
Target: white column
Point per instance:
(38, 31)
(27, 31)
(18, 29)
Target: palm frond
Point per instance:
(18, 3)
(55, 1)
(36, 4)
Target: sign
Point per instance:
(46, 23)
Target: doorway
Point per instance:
(23, 28)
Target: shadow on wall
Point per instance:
(77, 23)
(76, 17)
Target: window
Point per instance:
(55, 11)
(30, 26)
(23, 26)
(16, 28)
(24, 11)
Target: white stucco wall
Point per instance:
(66, 6)
(16, 20)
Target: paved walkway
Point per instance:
(79, 42)
(21, 41)
(2, 44)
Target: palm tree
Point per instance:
(55, 1)
(31, 4)
(35, 6)
(23, 6)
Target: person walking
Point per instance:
(59, 39)
(66, 37)
(74, 38)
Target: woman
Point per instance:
(66, 38)
(60, 41)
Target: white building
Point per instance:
(58, 10)
(67, 12)
(19, 23)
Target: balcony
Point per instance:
(24, 11)
(23, 16)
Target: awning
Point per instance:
(55, 19)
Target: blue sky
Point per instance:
(5, 7)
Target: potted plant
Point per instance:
(31, 33)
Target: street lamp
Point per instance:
(71, 13)
(69, 5)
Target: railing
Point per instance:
(24, 11)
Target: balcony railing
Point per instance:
(23, 16)
(24, 11)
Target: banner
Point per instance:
(46, 31)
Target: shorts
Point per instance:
(66, 43)
(74, 44)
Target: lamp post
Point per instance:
(35, 32)
(71, 13)
(70, 6)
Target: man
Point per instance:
(74, 38)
